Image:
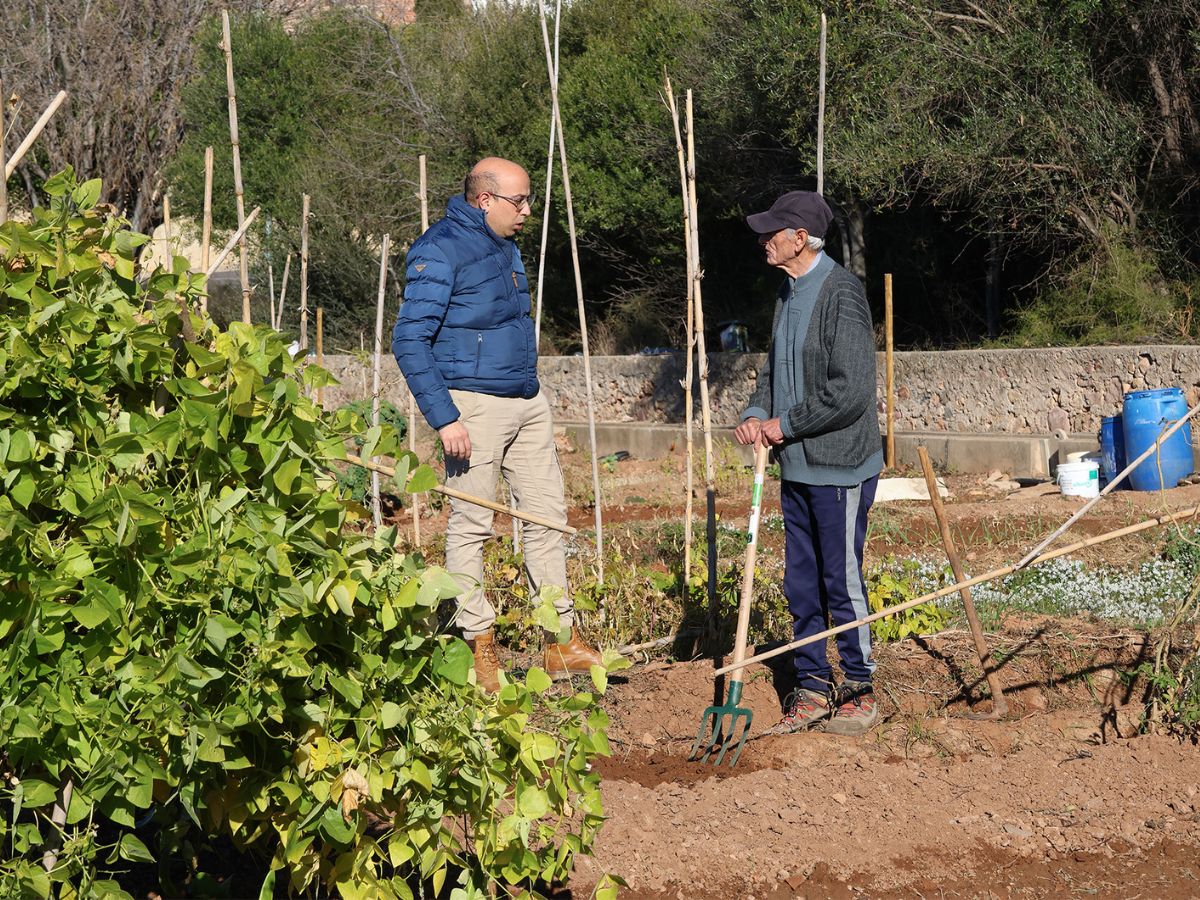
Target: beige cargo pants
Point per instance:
(514, 438)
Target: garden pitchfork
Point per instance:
(720, 724)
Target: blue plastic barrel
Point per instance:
(1146, 415)
(1112, 449)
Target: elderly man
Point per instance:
(464, 341)
(815, 404)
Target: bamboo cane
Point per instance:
(999, 704)
(376, 502)
(167, 231)
(467, 498)
(537, 321)
(891, 378)
(304, 272)
(228, 248)
(412, 400)
(320, 351)
(1108, 487)
(587, 364)
(22, 148)
(710, 480)
(271, 293)
(206, 225)
(821, 112)
(244, 263)
(287, 265)
(690, 342)
(3, 164)
(1164, 519)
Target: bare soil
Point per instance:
(934, 802)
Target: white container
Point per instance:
(1079, 479)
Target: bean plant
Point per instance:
(200, 641)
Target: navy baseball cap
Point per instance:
(796, 210)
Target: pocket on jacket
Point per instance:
(478, 352)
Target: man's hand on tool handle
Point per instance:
(456, 442)
(754, 429)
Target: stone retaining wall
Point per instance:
(957, 391)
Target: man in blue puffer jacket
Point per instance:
(464, 340)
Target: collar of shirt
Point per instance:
(794, 282)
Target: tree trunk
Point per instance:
(856, 220)
(992, 289)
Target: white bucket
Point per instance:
(1079, 479)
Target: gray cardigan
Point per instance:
(834, 425)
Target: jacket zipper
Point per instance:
(478, 351)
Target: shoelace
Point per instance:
(802, 704)
(489, 653)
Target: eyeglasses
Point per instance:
(520, 200)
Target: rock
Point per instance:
(649, 740)
(1018, 831)
(1127, 719)
(839, 799)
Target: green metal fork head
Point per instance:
(720, 726)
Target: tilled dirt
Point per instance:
(1049, 802)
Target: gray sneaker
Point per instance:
(856, 714)
(804, 709)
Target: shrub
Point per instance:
(195, 647)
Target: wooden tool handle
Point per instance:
(743, 622)
(468, 498)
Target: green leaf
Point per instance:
(37, 793)
(457, 660)
(267, 891)
(86, 195)
(390, 715)
(22, 492)
(544, 613)
(532, 802)
(537, 680)
(423, 479)
(599, 678)
(286, 475)
(132, 849)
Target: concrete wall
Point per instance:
(1035, 392)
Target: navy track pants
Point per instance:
(826, 527)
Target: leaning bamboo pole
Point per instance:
(710, 479)
(304, 272)
(287, 266)
(244, 263)
(587, 360)
(376, 501)
(22, 148)
(206, 225)
(690, 340)
(1165, 519)
(537, 319)
(228, 248)
(821, 111)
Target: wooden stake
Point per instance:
(999, 704)
(710, 478)
(287, 265)
(237, 236)
(537, 320)
(587, 363)
(206, 226)
(412, 400)
(22, 148)
(1165, 519)
(3, 164)
(690, 340)
(468, 498)
(821, 112)
(320, 352)
(243, 265)
(376, 501)
(304, 273)
(890, 377)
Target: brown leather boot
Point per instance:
(487, 663)
(572, 658)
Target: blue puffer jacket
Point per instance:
(465, 322)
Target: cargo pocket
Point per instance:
(474, 471)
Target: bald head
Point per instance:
(500, 188)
